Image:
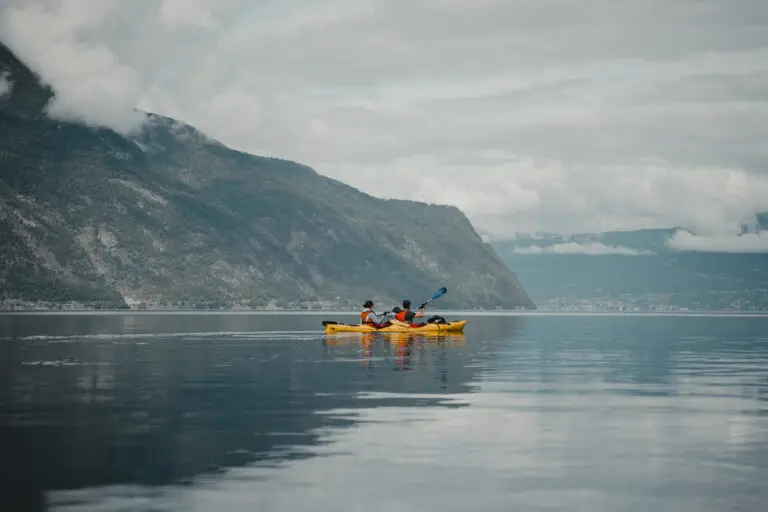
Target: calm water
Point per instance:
(264, 412)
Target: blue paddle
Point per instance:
(439, 293)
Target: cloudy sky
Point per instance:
(551, 115)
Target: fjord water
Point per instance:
(264, 412)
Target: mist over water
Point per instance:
(265, 412)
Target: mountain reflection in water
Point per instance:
(265, 412)
(92, 401)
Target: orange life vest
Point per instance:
(364, 317)
(401, 315)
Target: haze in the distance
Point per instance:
(554, 116)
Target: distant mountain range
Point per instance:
(651, 269)
(172, 218)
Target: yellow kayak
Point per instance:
(455, 326)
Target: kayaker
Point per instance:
(406, 315)
(368, 315)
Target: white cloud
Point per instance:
(548, 116)
(515, 195)
(593, 249)
(5, 85)
(177, 14)
(102, 58)
(746, 243)
(91, 84)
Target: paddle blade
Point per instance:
(439, 293)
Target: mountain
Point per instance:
(171, 217)
(636, 270)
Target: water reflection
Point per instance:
(111, 407)
(401, 351)
(576, 413)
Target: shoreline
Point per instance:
(331, 312)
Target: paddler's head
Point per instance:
(368, 304)
(406, 304)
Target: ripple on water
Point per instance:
(551, 413)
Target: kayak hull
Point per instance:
(455, 326)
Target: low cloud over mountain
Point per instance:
(529, 116)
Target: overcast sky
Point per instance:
(554, 115)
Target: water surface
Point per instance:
(264, 412)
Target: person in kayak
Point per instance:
(369, 317)
(406, 315)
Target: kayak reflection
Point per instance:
(399, 347)
(350, 338)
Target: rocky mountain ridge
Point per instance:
(172, 218)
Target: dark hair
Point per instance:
(368, 304)
(406, 304)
